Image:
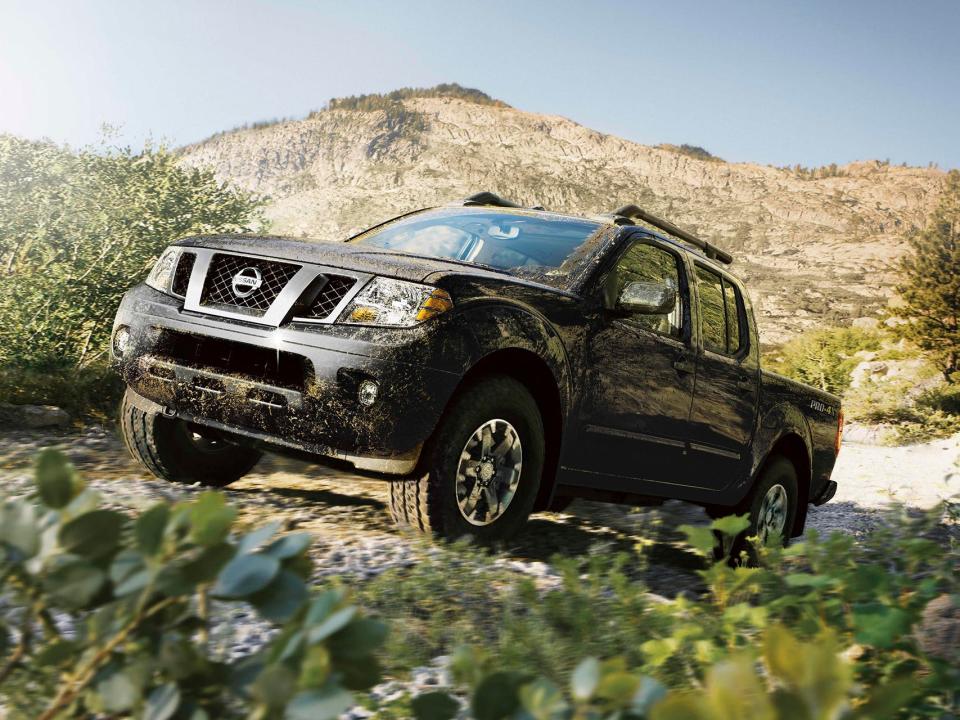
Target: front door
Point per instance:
(728, 380)
(640, 381)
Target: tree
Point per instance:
(930, 286)
(78, 228)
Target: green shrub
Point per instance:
(93, 391)
(111, 616)
(824, 358)
(114, 612)
(79, 228)
(826, 629)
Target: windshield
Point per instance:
(534, 245)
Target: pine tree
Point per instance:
(930, 287)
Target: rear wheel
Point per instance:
(771, 507)
(181, 452)
(481, 470)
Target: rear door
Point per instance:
(640, 379)
(728, 380)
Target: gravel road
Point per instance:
(355, 539)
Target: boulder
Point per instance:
(938, 633)
(32, 417)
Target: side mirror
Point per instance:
(647, 298)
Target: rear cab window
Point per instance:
(721, 313)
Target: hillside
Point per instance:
(812, 249)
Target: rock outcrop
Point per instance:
(813, 250)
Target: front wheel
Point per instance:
(177, 451)
(481, 470)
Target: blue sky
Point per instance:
(770, 82)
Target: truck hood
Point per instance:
(340, 255)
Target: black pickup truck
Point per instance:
(487, 360)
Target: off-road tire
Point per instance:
(777, 471)
(166, 448)
(427, 501)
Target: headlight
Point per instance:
(396, 303)
(161, 277)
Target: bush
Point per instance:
(824, 629)
(76, 230)
(824, 358)
(114, 613)
(93, 391)
(111, 616)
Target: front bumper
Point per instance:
(289, 387)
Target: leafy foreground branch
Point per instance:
(105, 615)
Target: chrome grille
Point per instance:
(218, 288)
(330, 295)
(181, 277)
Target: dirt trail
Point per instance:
(350, 518)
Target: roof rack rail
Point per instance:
(632, 212)
(489, 198)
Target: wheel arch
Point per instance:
(792, 446)
(535, 374)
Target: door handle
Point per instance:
(682, 365)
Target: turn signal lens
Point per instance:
(438, 302)
(387, 302)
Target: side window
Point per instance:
(649, 263)
(733, 302)
(720, 305)
(713, 321)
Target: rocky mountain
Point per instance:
(814, 246)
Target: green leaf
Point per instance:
(19, 528)
(648, 694)
(315, 668)
(289, 545)
(358, 639)
(326, 704)
(659, 650)
(879, 625)
(434, 706)
(162, 703)
(120, 690)
(205, 566)
(332, 624)
(93, 534)
(210, 518)
(496, 697)
(584, 680)
(75, 584)
(56, 479)
(275, 686)
(618, 687)
(700, 538)
(58, 653)
(731, 525)
(805, 580)
(245, 575)
(253, 540)
(322, 606)
(148, 529)
(129, 573)
(887, 700)
(542, 699)
(282, 598)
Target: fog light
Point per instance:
(121, 341)
(367, 392)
